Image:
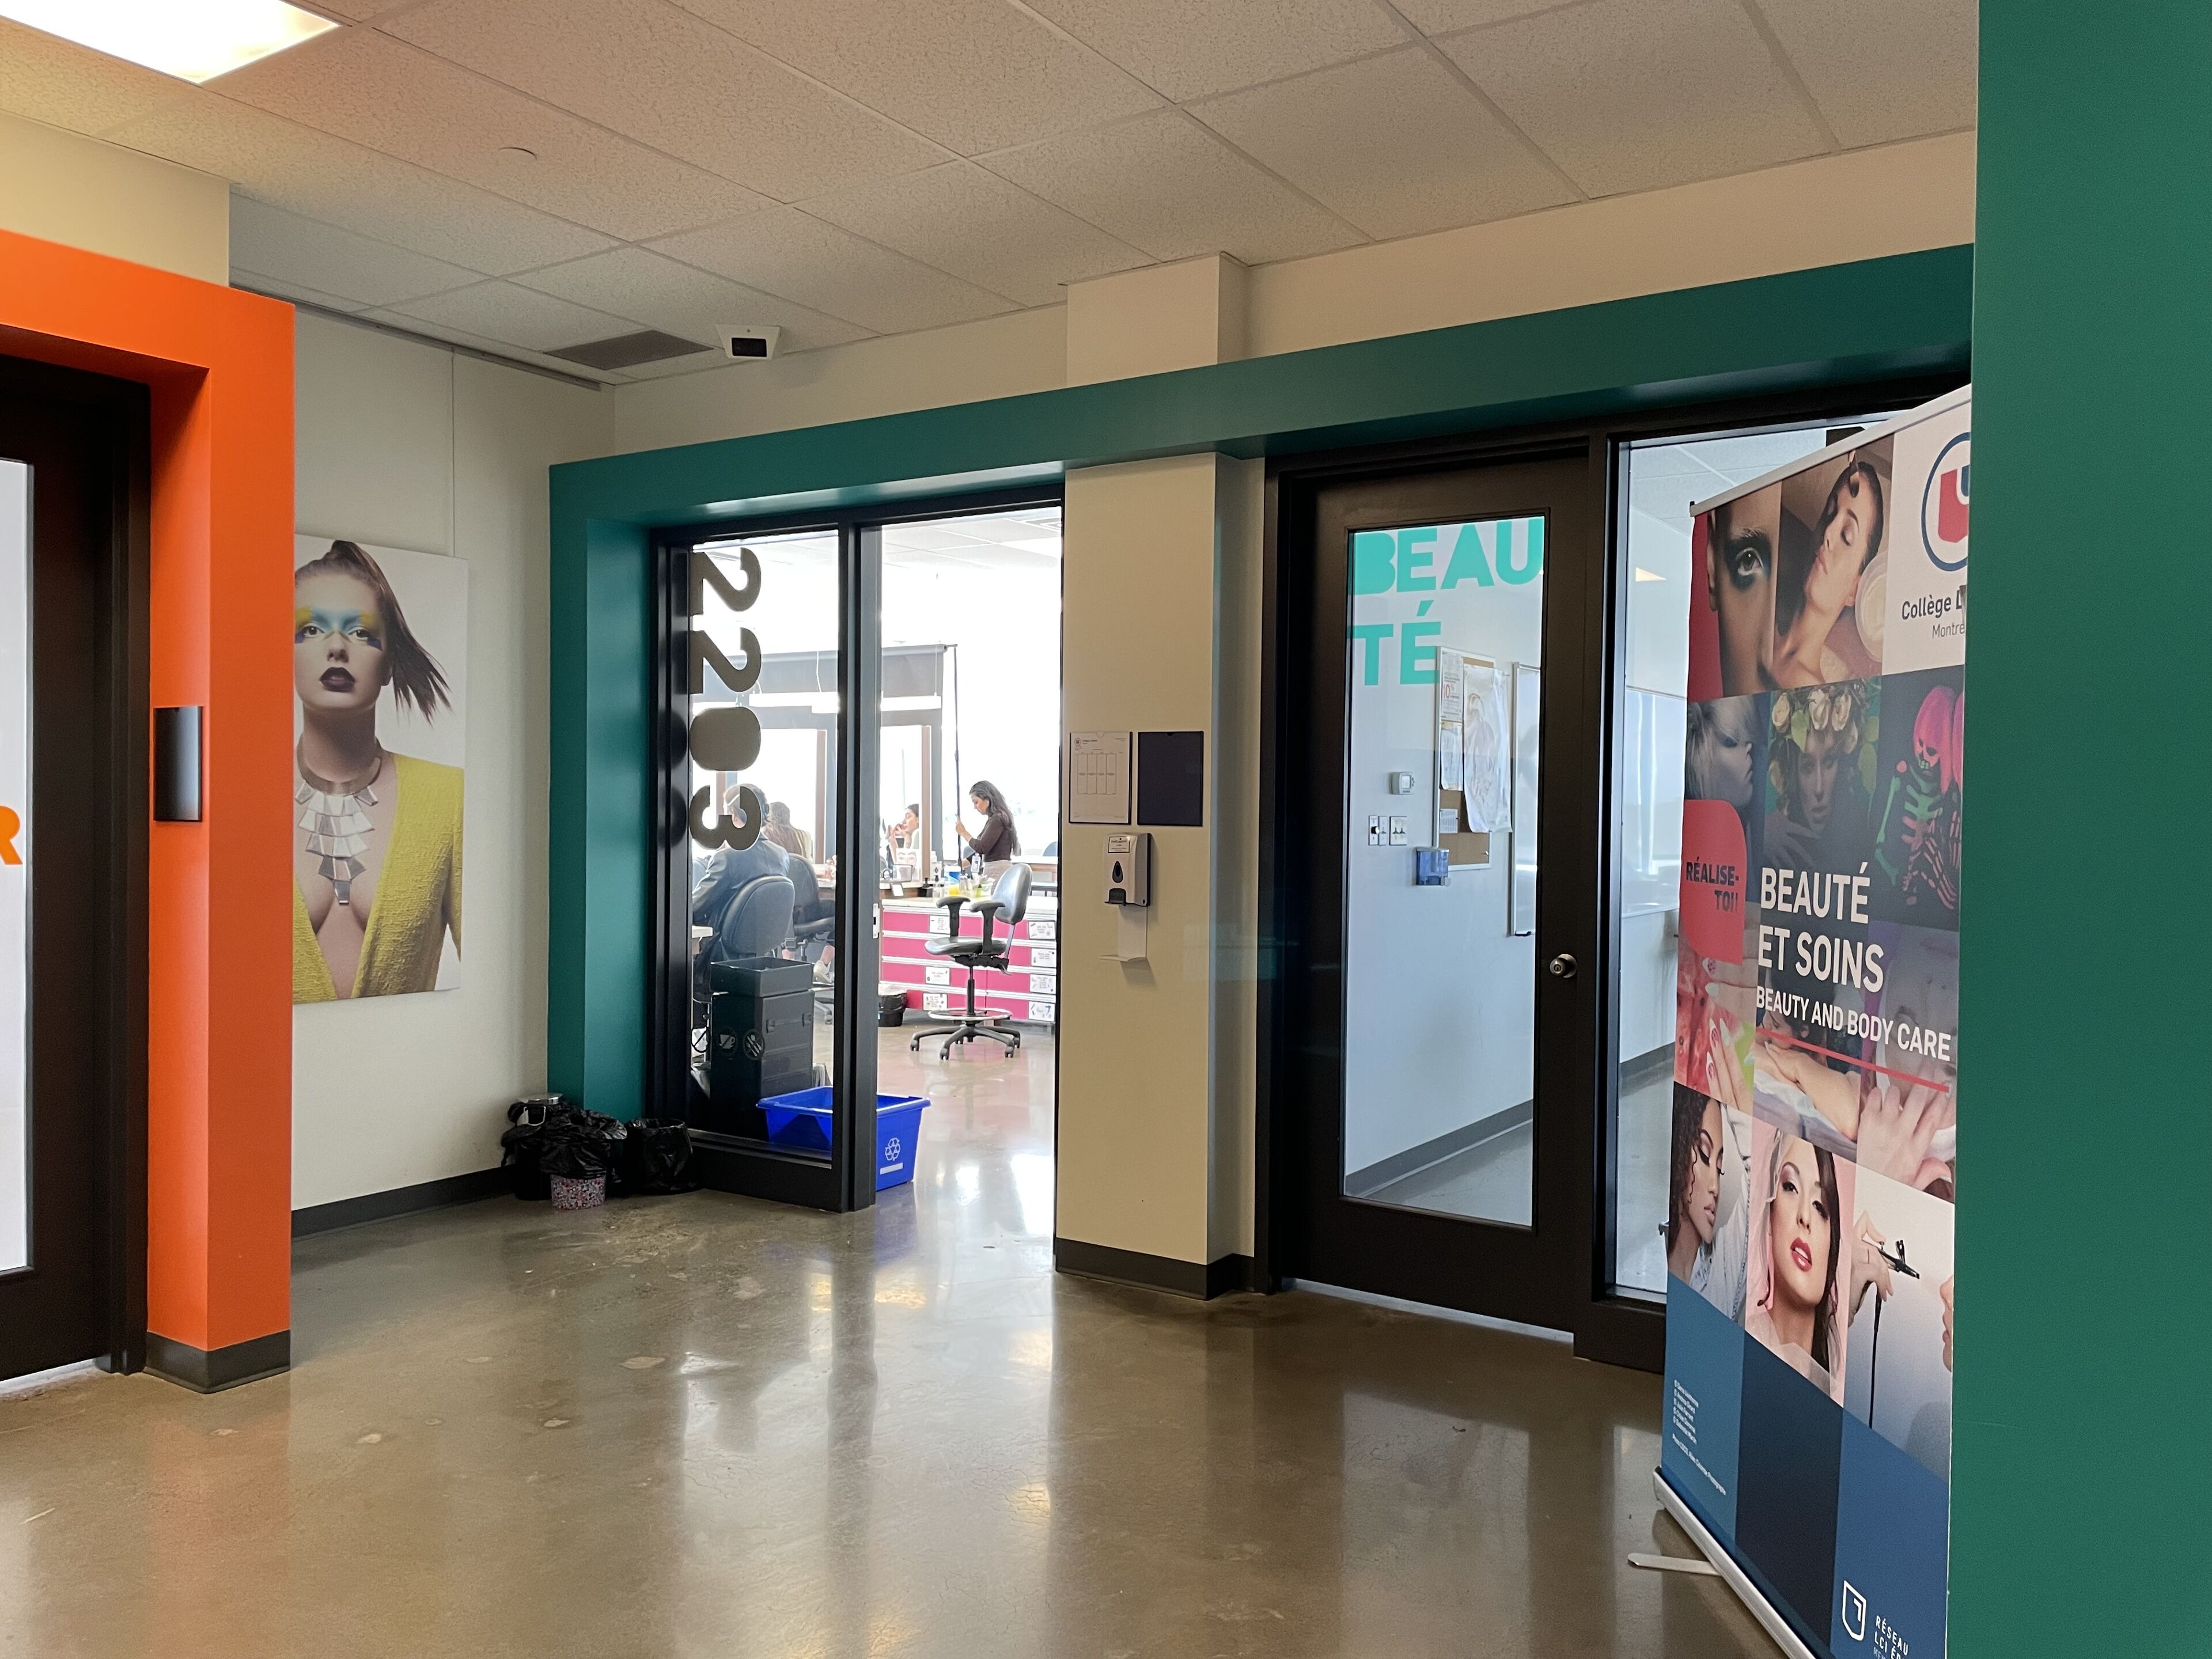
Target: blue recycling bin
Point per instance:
(801, 1120)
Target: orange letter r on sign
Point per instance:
(11, 826)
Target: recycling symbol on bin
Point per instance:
(754, 1047)
(891, 1149)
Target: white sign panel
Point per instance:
(1098, 777)
(14, 872)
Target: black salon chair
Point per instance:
(758, 920)
(755, 921)
(811, 917)
(1008, 903)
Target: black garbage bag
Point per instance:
(654, 1156)
(551, 1135)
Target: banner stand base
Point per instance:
(1724, 1564)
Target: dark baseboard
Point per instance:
(400, 1200)
(205, 1372)
(1200, 1280)
(1362, 1183)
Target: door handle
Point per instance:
(1562, 966)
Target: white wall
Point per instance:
(410, 445)
(63, 187)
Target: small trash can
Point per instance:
(579, 1191)
(801, 1120)
(891, 1004)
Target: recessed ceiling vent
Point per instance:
(629, 350)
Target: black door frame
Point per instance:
(846, 1181)
(120, 414)
(1621, 1329)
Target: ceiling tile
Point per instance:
(517, 316)
(1191, 48)
(1635, 95)
(291, 250)
(974, 74)
(314, 175)
(382, 93)
(1396, 144)
(661, 293)
(65, 85)
(1443, 16)
(784, 251)
(1166, 185)
(982, 229)
(1882, 69)
(676, 82)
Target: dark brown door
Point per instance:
(72, 783)
(1437, 846)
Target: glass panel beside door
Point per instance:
(1660, 759)
(774, 1030)
(1445, 665)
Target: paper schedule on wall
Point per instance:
(1469, 756)
(1098, 777)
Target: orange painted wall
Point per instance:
(219, 1107)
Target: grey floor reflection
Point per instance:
(704, 1425)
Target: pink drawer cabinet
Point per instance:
(1028, 988)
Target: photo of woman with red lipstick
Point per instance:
(376, 848)
(1799, 1262)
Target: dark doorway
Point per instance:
(73, 694)
(1441, 656)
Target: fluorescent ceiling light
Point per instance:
(1643, 575)
(193, 40)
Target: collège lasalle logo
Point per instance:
(1943, 505)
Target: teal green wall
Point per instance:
(2080, 1522)
(1829, 326)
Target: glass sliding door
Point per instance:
(812, 689)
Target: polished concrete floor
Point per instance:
(704, 1425)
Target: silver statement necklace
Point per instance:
(336, 821)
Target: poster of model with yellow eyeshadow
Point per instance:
(379, 690)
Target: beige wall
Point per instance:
(1900, 198)
(1867, 203)
(1161, 318)
(62, 187)
(411, 446)
(1150, 1114)
(997, 357)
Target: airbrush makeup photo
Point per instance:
(379, 678)
(1898, 1373)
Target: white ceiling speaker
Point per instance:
(748, 345)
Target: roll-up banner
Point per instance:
(1814, 1151)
